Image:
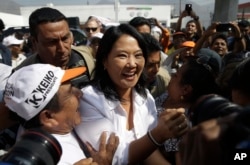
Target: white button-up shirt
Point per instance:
(99, 114)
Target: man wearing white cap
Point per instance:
(46, 99)
(14, 46)
(94, 42)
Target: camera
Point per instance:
(211, 106)
(36, 147)
(188, 8)
(234, 133)
(223, 27)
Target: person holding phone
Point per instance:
(244, 26)
(231, 53)
(222, 37)
(193, 28)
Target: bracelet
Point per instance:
(153, 140)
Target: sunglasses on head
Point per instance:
(204, 61)
(92, 29)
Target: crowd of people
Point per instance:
(135, 93)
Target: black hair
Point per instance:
(211, 106)
(244, 23)
(101, 78)
(221, 36)
(44, 15)
(2, 26)
(139, 21)
(240, 79)
(200, 77)
(151, 42)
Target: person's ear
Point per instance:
(187, 89)
(47, 120)
(71, 38)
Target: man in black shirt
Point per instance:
(244, 26)
(52, 41)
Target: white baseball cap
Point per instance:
(11, 40)
(29, 89)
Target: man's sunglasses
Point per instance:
(92, 29)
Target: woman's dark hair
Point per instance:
(44, 15)
(101, 78)
(152, 44)
(201, 77)
(211, 106)
(240, 79)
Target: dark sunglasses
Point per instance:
(92, 29)
(204, 61)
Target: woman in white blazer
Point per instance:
(117, 101)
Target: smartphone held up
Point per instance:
(188, 8)
(223, 27)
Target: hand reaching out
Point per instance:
(88, 161)
(172, 123)
(106, 150)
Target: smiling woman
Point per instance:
(117, 101)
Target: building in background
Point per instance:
(244, 11)
(166, 11)
(124, 14)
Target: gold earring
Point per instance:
(182, 97)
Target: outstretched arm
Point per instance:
(171, 123)
(179, 22)
(239, 44)
(198, 23)
(205, 37)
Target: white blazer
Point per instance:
(99, 114)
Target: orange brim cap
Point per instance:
(72, 73)
(188, 44)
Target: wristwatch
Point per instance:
(196, 18)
